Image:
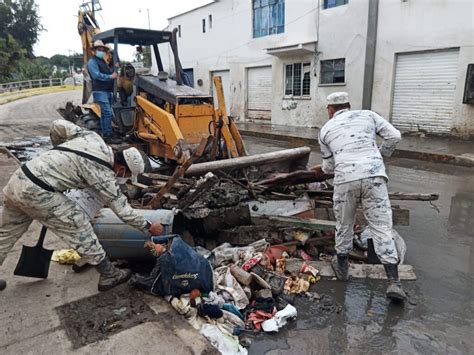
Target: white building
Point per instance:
(279, 59)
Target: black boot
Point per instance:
(110, 139)
(394, 290)
(110, 276)
(340, 265)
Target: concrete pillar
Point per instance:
(371, 42)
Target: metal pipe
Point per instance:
(243, 162)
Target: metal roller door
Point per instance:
(259, 93)
(423, 95)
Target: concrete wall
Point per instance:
(417, 25)
(340, 32)
(229, 45)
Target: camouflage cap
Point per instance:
(338, 98)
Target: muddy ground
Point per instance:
(439, 239)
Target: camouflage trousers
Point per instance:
(372, 196)
(25, 202)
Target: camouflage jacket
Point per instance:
(67, 170)
(349, 147)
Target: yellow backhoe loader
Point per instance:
(168, 118)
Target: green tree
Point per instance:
(11, 54)
(19, 30)
(25, 25)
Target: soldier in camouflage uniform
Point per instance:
(349, 150)
(80, 159)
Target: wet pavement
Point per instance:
(440, 317)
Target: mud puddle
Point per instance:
(97, 317)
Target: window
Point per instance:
(179, 31)
(210, 21)
(203, 25)
(298, 79)
(333, 71)
(268, 17)
(333, 3)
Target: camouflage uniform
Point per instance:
(350, 151)
(25, 201)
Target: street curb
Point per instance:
(399, 153)
(6, 100)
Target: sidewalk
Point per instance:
(439, 150)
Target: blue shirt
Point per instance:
(95, 73)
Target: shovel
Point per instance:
(34, 261)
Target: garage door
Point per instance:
(259, 93)
(423, 95)
(225, 75)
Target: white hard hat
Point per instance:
(134, 161)
(99, 43)
(338, 98)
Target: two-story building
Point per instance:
(279, 59)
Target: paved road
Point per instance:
(31, 116)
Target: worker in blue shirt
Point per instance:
(103, 76)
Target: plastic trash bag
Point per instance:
(179, 270)
(280, 319)
(222, 340)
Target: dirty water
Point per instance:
(26, 149)
(97, 317)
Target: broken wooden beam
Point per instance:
(295, 178)
(406, 196)
(292, 222)
(400, 216)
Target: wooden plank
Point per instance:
(400, 196)
(358, 271)
(400, 216)
(315, 224)
(179, 172)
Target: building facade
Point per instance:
(279, 59)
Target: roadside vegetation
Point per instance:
(20, 26)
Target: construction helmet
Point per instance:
(135, 162)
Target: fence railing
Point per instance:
(30, 84)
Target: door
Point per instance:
(423, 94)
(225, 75)
(259, 93)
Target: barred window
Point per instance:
(298, 79)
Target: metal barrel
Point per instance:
(122, 241)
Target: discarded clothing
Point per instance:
(225, 253)
(230, 288)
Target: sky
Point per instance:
(59, 18)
